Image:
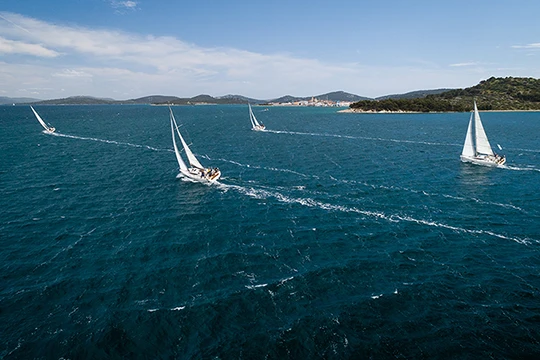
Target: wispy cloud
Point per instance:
(464, 64)
(18, 47)
(160, 59)
(126, 5)
(71, 73)
(111, 63)
(528, 46)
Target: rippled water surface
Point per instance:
(329, 236)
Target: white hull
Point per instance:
(196, 175)
(492, 161)
(258, 128)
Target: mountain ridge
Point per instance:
(509, 93)
(166, 99)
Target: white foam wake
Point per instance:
(526, 150)
(385, 187)
(258, 167)
(422, 192)
(265, 194)
(178, 308)
(109, 141)
(361, 138)
(516, 168)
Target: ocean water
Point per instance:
(329, 236)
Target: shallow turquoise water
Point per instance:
(329, 236)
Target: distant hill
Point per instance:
(207, 99)
(508, 93)
(174, 100)
(241, 99)
(341, 96)
(287, 98)
(77, 100)
(333, 96)
(8, 100)
(152, 99)
(413, 94)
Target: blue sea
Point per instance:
(330, 235)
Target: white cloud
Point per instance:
(70, 73)
(464, 64)
(131, 5)
(18, 47)
(529, 46)
(76, 60)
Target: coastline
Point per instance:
(359, 111)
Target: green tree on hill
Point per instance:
(492, 94)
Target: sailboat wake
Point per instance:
(259, 167)
(360, 138)
(516, 168)
(107, 141)
(258, 193)
(429, 194)
(373, 186)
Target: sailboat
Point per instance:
(48, 128)
(477, 149)
(255, 125)
(195, 171)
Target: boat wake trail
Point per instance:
(516, 168)
(526, 150)
(383, 187)
(266, 194)
(109, 141)
(421, 192)
(259, 167)
(360, 138)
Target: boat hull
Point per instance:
(204, 175)
(258, 128)
(484, 160)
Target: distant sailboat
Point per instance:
(477, 149)
(196, 171)
(48, 128)
(255, 125)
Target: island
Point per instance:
(495, 94)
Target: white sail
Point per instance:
(48, 128)
(476, 148)
(191, 158)
(195, 171)
(481, 140)
(252, 117)
(468, 147)
(181, 162)
(254, 123)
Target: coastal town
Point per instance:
(312, 102)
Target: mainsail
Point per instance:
(181, 162)
(468, 147)
(191, 158)
(482, 143)
(477, 149)
(254, 123)
(195, 171)
(48, 128)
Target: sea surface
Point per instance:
(335, 236)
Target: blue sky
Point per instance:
(128, 49)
